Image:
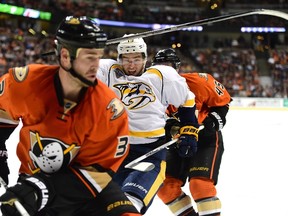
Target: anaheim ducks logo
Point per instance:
(50, 155)
(73, 21)
(117, 108)
(20, 73)
(135, 95)
(203, 75)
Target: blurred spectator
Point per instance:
(231, 61)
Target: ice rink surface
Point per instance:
(253, 177)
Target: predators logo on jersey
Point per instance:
(135, 95)
(50, 155)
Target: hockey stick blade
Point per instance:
(147, 166)
(143, 166)
(201, 22)
(17, 204)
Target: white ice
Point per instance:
(253, 179)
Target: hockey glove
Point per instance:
(4, 170)
(187, 144)
(216, 119)
(5, 133)
(171, 128)
(32, 193)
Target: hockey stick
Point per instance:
(147, 166)
(17, 204)
(268, 12)
(201, 22)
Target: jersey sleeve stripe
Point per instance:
(154, 133)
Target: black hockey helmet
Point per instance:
(167, 55)
(79, 32)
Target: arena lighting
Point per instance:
(161, 26)
(121, 24)
(177, 45)
(25, 12)
(263, 29)
(142, 25)
(32, 31)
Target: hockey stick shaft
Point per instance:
(202, 22)
(137, 164)
(148, 154)
(17, 204)
(207, 21)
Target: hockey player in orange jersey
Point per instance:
(212, 102)
(74, 134)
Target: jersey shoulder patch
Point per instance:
(2, 87)
(20, 73)
(118, 70)
(117, 108)
(203, 75)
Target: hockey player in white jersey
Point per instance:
(146, 94)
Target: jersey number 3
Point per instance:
(122, 146)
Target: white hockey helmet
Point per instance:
(136, 45)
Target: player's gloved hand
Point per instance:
(187, 144)
(214, 121)
(4, 170)
(32, 193)
(171, 128)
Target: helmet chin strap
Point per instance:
(82, 79)
(77, 75)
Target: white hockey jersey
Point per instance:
(146, 97)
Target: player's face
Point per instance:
(133, 63)
(87, 62)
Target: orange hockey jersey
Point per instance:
(208, 93)
(57, 132)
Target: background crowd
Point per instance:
(234, 62)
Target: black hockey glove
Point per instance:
(216, 119)
(171, 128)
(4, 170)
(31, 192)
(187, 144)
(5, 133)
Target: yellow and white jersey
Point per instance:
(146, 97)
